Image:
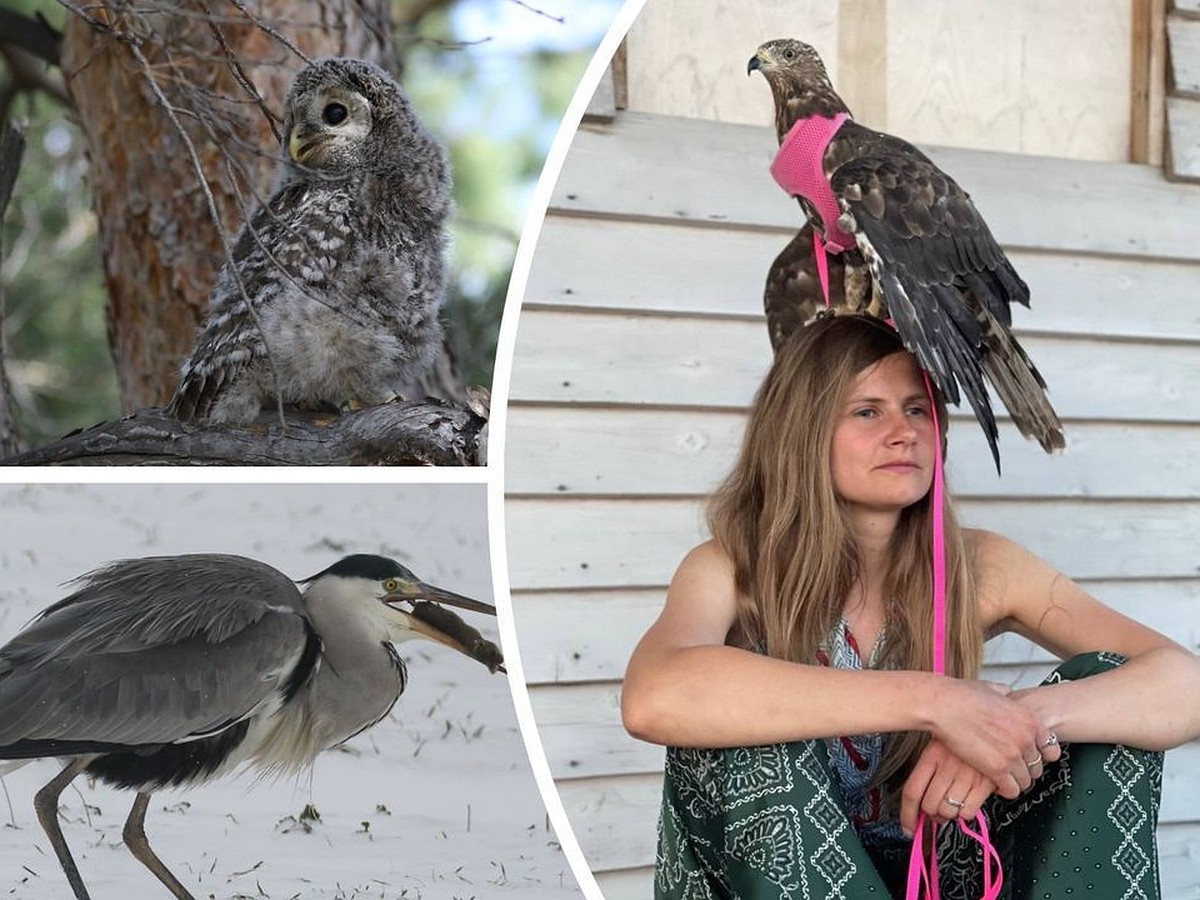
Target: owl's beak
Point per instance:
(301, 145)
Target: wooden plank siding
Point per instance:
(641, 342)
(1183, 96)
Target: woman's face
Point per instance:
(883, 443)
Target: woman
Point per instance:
(808, 616)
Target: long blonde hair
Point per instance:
(780, 521)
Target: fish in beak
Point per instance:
(420, 606)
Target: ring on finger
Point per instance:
(1051, 740)
(1034, 763)
(957, 804)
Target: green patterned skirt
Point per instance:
(752, 823)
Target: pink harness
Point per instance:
(798, 170)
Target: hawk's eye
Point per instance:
(335, 113)
(789, 54)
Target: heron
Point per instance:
(167, 671)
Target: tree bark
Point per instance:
(148, 82)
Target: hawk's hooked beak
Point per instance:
(755, 63)
(432, 621)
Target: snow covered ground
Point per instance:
(437, 801)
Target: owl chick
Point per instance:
(334, 289)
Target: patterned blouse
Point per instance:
(855, 759)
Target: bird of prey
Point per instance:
(172, 670)
(333, 291)
(916, 250)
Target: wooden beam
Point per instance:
(1147, 81)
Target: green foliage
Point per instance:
(56, 344)
(498, 109)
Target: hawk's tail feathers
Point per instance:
(1020, 386)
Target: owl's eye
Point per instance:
(334, 113)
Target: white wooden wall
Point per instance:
(641, 342)
(1020, 76)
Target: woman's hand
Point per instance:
(988, 730)
(943, 787)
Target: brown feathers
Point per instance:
(924, 257)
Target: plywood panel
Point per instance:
(601, 358)
(684, 62)
(689, 171)
(687, 453)
(620, 543)
(977, 75)
(969, 74)
(652, 266)
(588, 636)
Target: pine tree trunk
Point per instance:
(160, 247)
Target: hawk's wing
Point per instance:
(792, 296)
(944, 279)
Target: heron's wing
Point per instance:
(152, 651)
(945, 280)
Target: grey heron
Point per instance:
(170, 670)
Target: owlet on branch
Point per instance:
(334, 291)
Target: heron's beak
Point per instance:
(429, 620)
(418, 590)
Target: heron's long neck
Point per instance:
(359, 676)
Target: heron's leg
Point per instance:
(45, 803)
(134, 836)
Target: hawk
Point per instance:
(915, 250)
(333, 291)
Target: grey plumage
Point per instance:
(343, 268)
(171, 670)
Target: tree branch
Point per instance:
(409, 433)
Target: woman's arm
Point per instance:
(1151, 702)
(684, 687)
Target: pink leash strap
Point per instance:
(922, 867)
